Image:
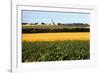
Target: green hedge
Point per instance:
(46, 30)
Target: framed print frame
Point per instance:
(19, 64)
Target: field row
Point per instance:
(55, 51)
(47, 29)
(56, 36)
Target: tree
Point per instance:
(24, 23)
(43, 23)
(36, 23)
(59, 24)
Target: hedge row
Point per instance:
(47, 30)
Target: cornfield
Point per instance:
(53, 44)
(55, 51)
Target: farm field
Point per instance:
(55, 50)
(56, 36)
(54, 28)
(38, 47)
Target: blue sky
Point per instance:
(29, 16)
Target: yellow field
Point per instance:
(56, 36)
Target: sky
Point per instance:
(29, 16)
